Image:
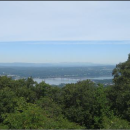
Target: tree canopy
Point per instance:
(25, 104)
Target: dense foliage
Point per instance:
(25, 104)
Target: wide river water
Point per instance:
(57, 81)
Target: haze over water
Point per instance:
(58, 81)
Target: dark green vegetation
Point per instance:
(25, 104)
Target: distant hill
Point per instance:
(64, 64)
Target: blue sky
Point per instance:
(62, 31)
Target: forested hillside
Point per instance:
(25, 104)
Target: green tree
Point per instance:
(42, 89)
(101, 107)
(78, 100)
(54, 110)
(5, 82)
(31, 116)
(25, 116)
(8, 101)
(122, 73)
(120, 93)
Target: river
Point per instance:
(58, 81)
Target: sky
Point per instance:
(64, 31)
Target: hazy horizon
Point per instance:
(58, 63)
(99, 52)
